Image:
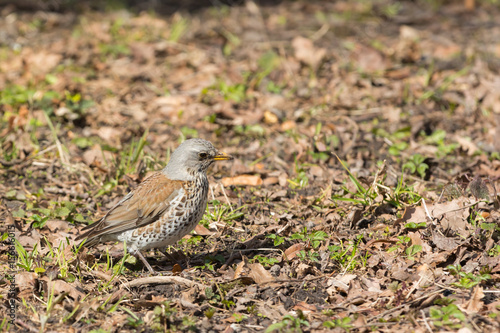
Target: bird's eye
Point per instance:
(202, 156)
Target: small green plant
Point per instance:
(211, 261)
(58, 257)
(5, 325)
(449, 316)
(188, 324)
(412, 250)
(494, 251)
(347, 256)
(25, 259)
(344, 323)
(192, 241)
(308, 256)
(391, 10)
(179, 27)
(437, 138)
(252, 131)
(277, 240)
(289, 323)
(265, 261)
(415, 226)
(400, 196)
(134, 322)
(64, 210)
(127, 164)
(416, 165)
(397, 140)
(209, 313)
(402, 240)
(236, 93)
(220, 212)
(467, 280)
(314, 238)
(361, 195)
(38, 221)
(301, 179)
(162, 315)
(238, 317)
(267, 63)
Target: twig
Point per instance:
(425, 321)
(415, 286)
(225, 196)
(163, 280)
(381, 315)
(427, 210)
(225, 225)
(321, 32)
(26, 326)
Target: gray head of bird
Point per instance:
(191, 158)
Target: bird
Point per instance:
(164, 207)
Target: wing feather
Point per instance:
(138, 208)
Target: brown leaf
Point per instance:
(60, 286)
(26, 282)
(416, 239)
(466, 145)
(259, 273)
(177, 269)
(413, 214)
(96, 154)
(369, 60)
(305, 308)
(474, 304)
(479, 189)
(245, 180)
(452, 215)
(202, 231)
(307, 53)
(340, 282)
(444, 243)
(292, 251)
(239, 269)
(57, 225)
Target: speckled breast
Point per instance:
(185, 211)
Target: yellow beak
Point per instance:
(222, 157)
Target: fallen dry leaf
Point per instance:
(259, 273)
(474, 304)
(307, 53)
(292, 251)
(244, 180)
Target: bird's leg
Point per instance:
(139, 255)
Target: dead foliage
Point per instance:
(363, 194)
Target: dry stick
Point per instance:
(225, 196)
(405, 304)
(26, 326)
(163, 280)
(427, 211)
(425, 321)
(321, 32)
(475, 325)
(415, 286)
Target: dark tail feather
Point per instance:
(91, 235)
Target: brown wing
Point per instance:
(140, 207)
